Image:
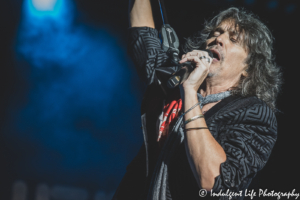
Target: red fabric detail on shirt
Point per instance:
(171, 112)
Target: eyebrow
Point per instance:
(233, 32)
(219, 29)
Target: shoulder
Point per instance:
(246, 103)
(254, 105)
(247, 110)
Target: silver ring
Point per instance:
(208, 60)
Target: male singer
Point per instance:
(218, 129)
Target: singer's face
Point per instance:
(229, 52)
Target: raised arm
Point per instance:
(140, 13)
(144, 46)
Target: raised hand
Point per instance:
(202, 62)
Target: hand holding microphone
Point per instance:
(194, 64)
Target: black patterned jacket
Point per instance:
(245, 127)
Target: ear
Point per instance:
(245, 73)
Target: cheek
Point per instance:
(242, 59)
(238, 59)
(235, 65)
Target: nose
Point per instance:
(220, 40)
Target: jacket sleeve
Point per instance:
(144, 47)
(247, 138)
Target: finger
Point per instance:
(194, 59)
(191, 54)
(205, 59)
(203, 53)
(202, 59)
(197, 53)
(183, 56)
(201, 68)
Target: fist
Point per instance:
(202, 63)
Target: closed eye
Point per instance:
(233, 40)
(212, 35)
(216, 32)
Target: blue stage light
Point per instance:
(44, 8)
(80, 81)
(44, 5)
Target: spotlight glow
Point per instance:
(44, 5)
(44, 8)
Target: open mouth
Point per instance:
(216, 55)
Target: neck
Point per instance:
(214, 86)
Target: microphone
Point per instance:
(183, 73)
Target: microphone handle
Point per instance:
(180, 75)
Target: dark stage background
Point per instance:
(70, 98)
